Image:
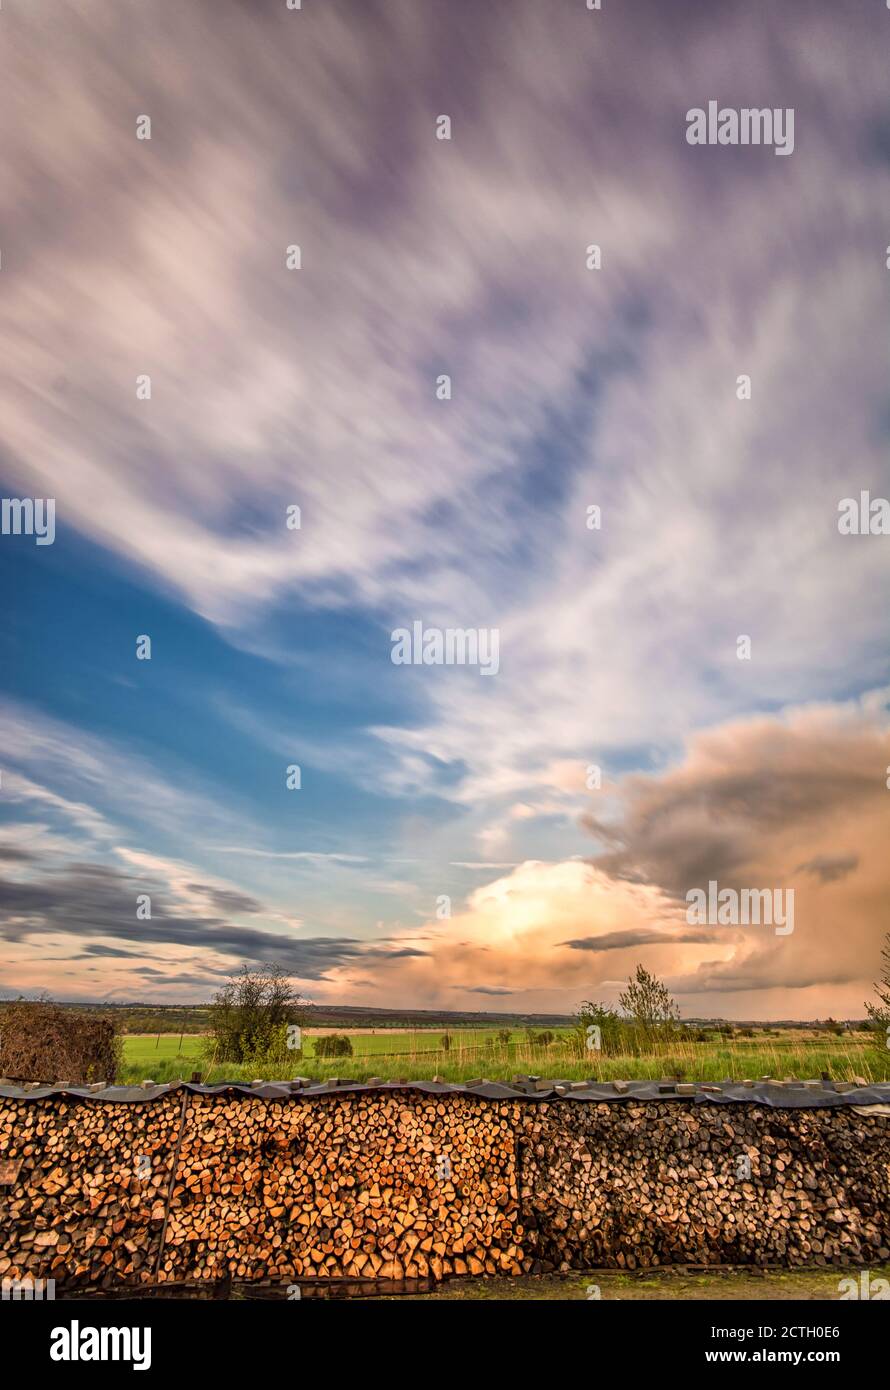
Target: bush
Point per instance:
(249, 1017)
(41, 1041)
(650, 1019)
(615, 1034)
(275, 1053)
(334, 1045)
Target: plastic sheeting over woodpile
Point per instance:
(790, 1094)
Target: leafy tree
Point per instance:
(250, 1014)
(504, 1036)
(648, 1002)
(649, 1015)
(613, 1034)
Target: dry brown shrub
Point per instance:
(40, 1041)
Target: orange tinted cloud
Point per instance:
(794, 801)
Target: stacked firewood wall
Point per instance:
(87, 1206)
(197, 1188)
(635, 1186)
(365, 1186)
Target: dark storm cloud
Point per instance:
(227, 899)
(620, 940)
(730, 979)
(829, 868)
(97, 950)
(740, 789)
(88, 900)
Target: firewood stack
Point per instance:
(364, 1186)
(87, 1207)
(656, 1184)
(394, 1185)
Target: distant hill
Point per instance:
(139, 1017)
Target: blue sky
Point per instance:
(571, 387)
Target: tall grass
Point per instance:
(842, 1059)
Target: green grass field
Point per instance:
(476, 1053)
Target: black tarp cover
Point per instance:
(784, 1095)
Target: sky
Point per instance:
(712, 380)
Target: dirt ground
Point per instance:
(667, 1285)
(818, 1286)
